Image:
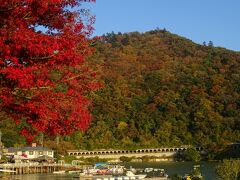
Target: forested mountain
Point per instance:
(160, 89)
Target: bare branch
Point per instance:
(25, 97)
(10, 8)
(69, 79)
(34, 88)
(41, 58)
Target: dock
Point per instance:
(35, 168)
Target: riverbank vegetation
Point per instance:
(228, 169)
(191, 154)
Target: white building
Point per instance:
(30, 153)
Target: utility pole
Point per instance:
(57, 139)
(1, 145)
(1, 137)
(41, 139)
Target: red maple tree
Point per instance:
(42, 76)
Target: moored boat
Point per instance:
(59, 172)
(156, 173)
(130, 175)
(93, 177)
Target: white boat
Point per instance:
(84, 176)
(130, 175)
(104, 169)
(6, 170)
(91, 170)
(147, 170)
(59, 172)
(74, 172)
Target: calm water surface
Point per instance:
(171, 168)
(182, 168)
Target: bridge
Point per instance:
(116, 154)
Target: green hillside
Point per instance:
(161, 89)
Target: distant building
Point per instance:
(30, 153)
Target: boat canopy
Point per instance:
(101, 164)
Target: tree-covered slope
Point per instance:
(164, 90)
(160, 90)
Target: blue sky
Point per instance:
(198, 20)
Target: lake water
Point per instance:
(207, 168)
(171, 168)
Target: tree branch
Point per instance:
(10, 8)
(42, 58)
(34, 88)
(69, 79)
(25, 97)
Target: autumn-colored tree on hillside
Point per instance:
(42, 75)
(161, 89)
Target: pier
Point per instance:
(34, 168)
